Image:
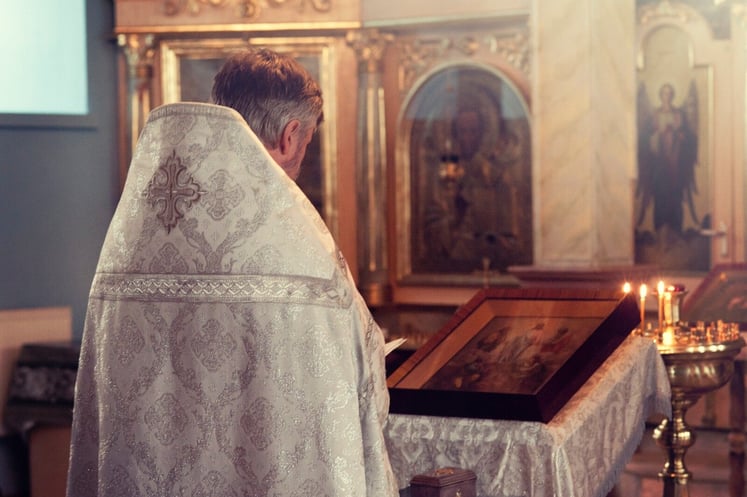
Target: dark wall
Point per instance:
(59, 188)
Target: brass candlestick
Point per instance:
(698, 359)
(693, 370)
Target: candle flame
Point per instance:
(626, 287)
(643, 291)
(660, 287)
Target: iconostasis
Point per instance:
(526, 143)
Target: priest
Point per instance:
(226, 350)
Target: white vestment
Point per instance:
(226, 350)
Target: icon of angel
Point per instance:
(667, 156)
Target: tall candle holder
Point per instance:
(699, 358)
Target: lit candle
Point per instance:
(642, 294)
(676, 301)
(626, 287)
(667, 338)
(660, 295)
(667, 308)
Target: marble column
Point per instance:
(584, 129)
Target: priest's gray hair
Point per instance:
(269, 90)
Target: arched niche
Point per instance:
(464, 145)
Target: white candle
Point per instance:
(667, 308)
(642, 294)
(660, 295)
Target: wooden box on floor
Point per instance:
(444, 482)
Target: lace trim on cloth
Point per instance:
(580, 453)
(221, 288)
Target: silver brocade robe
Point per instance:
(226, 350)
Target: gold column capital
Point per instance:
(369, 46)
(139, 51)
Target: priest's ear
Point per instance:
(289, 138)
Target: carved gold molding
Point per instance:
(318, 5)
(512, 47)
(139, 51)
(666, 10)
(721, 16)
(369, 46)
(419, 54)
(245, 8)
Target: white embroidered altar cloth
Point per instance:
(579, 453)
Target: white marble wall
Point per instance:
(584, 125)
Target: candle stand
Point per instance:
(699, 358)
(693, 370)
